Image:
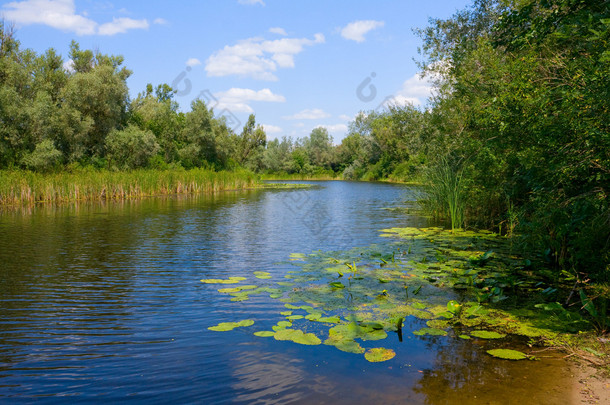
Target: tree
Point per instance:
(131, 148)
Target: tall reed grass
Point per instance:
(24, 187)
(445, 192)
(297, 176)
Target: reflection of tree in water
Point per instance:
(465, 374)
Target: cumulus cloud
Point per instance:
(192, 62)
(257, 58)
(309, 114)
(236, 99)
(415, 90)
(121, 26)
(272, 129)
(278, 30)
(61, 15)
(355, 31)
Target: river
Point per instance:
(104, 303)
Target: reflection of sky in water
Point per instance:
(106, 300)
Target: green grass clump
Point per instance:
(28, 188)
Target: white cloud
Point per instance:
(69, 66)
(355, 31)
(309, 114)
(335, 128)
(278, 30)
(257, 58)
(236, 100)
(272, 129)
(192, 62)
(121, 25)
(251, 2)
(415, 90)
(61, 15)
(345, 117)
(160, 21)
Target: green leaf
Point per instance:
(430, 331)
(379, 354)
(264, 333)
(297, 336)
(507, 354)
(227, 326)
(485, 334)
(263, 275)
(336, 284)
(231, 280)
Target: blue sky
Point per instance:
(295, 64)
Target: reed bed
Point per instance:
(24, 187)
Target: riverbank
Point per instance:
(28, 188)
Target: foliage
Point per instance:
(131, 148)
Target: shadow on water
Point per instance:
(104, 302)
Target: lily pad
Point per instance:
(227, 326)
(297, 336)
(379, 354)
(507, 354)
(294, 317)
(263, 275)
(231, 280)
(336, 284)
(237, 289)
(485, 334)
(430, 331)
(465, 337)
(264, 333)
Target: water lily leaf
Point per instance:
(286, 313)
(295, 317)
(485, 334)
(379, 354)
(438, 324)
(328, 319)
(297, 336)
(430, 331)
(465, 337)
(297, 256)
(418, 305)
(231, 280)
(264, 333)
(275, 296)
(285, 284)
(336, 284)
(227, 326)
(290, 306)
(237, 289)
(349, 347)
(507, 354)
(262, 275)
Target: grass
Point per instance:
(297, 176)
(28, 188)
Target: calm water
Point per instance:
(103, 303)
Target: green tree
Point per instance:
(131, 148)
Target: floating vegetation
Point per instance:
(231, 280)
(445, 279)
(379, 354)
(263, 275)
(227, 326)
(297, 336)
(264, 333)
(485, 334)
(508, 354)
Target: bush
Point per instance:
(44, 157)
(131, 148)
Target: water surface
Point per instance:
(103, 302)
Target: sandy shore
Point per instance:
(591, 386)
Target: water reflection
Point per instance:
(103, 301)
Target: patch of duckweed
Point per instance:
(430, 332)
